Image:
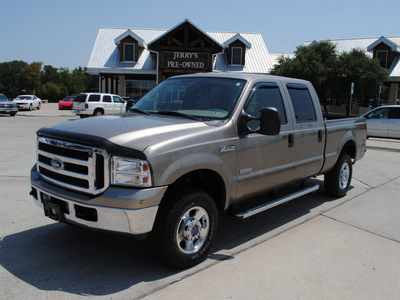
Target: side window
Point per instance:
(106, 98)
(117, 99)
(378, 114)
(265, 95)
(302, 103)
(94, 98)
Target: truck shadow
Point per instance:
(59, 257)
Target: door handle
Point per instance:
(319, 136)
(290, 140)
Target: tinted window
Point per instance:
(94, 98)
(302, 103)
(264, 96)
(106, 98)
(394, 113)
(80, 98)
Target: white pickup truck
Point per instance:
(194, 146)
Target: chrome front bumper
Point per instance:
(65, 208)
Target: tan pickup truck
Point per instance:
(194, 146)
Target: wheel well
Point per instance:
(205, 180)
(349, 148)
(98, 109)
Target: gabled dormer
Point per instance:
(235, 49)
(129, 45)
(385, 50)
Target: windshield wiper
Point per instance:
(138, 111)
(177, 114)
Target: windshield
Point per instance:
(24, 98)
(3, 97)
(200, 97)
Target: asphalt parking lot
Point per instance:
(314, 247)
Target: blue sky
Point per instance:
(62, 33)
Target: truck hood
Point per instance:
(131, 131)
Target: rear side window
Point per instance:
(302, 103)
(80, 98)
(394, 113)
(94, 98)
(106, 98)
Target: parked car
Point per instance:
(66, 103)
(7, 106)
(383, 121)
(97, 104)
(28, 102)
(193, 146)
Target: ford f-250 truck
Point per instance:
(194, 146)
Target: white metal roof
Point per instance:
(105, 54)
(346, 45)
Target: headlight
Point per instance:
(132, 172)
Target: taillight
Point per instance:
(86, 105)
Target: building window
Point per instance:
(129, 52)
(382, 56)
(136, 89)
(236, 56)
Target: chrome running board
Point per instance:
(264, 207)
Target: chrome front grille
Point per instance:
(73, 166)
(6, 105)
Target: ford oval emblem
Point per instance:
(56, 163)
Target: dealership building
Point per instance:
(130, 62)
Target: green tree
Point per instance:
(366, 74)
(33, 74)
(13, 78)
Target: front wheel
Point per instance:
(337, 181)
(185, 228)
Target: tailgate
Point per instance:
(79, 102)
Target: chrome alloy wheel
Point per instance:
(344, 175)
(192, 230)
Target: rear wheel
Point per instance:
(337, 181)
(13, 113)
(185, 228)
(39, 106)
(98, 112)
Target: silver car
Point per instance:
(7, 106)
(384, 121)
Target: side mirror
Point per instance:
(270, 121)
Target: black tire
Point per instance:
(337, 181)
(13, 114)
(185, 228)
(82, 116)
(98, 112)
(39, 105)
(30, 107)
